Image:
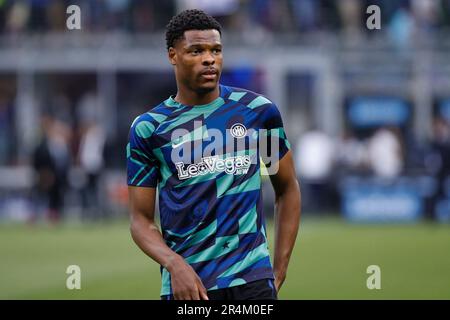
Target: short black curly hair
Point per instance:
(192, 19)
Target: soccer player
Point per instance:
(213, 240)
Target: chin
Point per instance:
(206, 88)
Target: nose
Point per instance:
(208, 59)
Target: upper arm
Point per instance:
(278, 156)
(142, 203)
(285, 176)
(274, 144)
(142, 169)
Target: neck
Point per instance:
(192, 98)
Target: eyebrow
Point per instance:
(193, 45)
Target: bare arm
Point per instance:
(186, 284)
(287, 215)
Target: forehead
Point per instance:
(209, 37)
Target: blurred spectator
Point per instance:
(314, 163)
(385, 153)
(2, 15)
(51, 160)
(90, 154)
(56, 15)
(445, 12)
(143, 16)
(314, 155)
(306, 14)
(17, 17)
(117, 13)
(351, 154)
(218, 8)
(259, 12)
(59, 106)
(6, 129)
(388, 8)
(441, 132)
(91, 160)
(89, 108)
(271, 15)
(38, 15)
(441, 148)
(350, 15)
(426, 14)
(401, 29)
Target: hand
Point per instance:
(186, 284)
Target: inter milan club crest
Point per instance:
(238, 130)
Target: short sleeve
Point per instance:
(142, 166)
(273, 130)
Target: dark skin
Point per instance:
(287, 215)
(197, 61)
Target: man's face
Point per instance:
(198, 59)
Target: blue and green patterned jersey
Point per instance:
(205, 162)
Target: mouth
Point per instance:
(209, 74)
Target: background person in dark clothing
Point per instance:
(51, 160)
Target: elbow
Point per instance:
(134, 229)
(139, 223)
(135, 224)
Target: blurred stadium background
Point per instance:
(367, 113)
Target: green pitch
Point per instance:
(329, 262)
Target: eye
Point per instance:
(196, 52)
(217, 51)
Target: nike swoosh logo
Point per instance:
(176, 145)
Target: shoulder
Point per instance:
(267, 111)
(146, 123)
(252, 100)
(263, 106)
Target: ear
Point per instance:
(172, 55)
